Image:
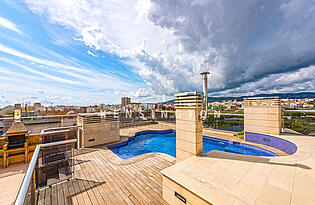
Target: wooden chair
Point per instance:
(2, 143)
(33, 141)
(14, 154)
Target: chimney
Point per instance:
(205, 90)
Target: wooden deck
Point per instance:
(103, 178)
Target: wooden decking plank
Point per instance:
(82, 191)
(121, 183)
(48, 196)
(144, 171)
(145, 176)
(109, 197)
(89, 186)
(100, 181)
(156, 182)
(74, 189)
(114, 176)
(54, 194)
(41, 197)
(152, 175)
(149, 169)
(134, 200)
(141, 179)
(78, 192)
(84, 187)
(72, 193)
(59, 189)
(130, 184)
(140, 196)
(122, 197)
(116, 198)
(65, 191)
(139, 184)
(107, 186)
(100, 192)
(153, 184)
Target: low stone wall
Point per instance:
(219, 132)
(133, 124)
(271, 141)
(95, 130)
(262, 115)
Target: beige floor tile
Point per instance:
(272, 195)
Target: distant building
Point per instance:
(39, 110)
(17, 106)
(125, 101)
(37, 105)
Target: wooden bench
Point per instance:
(15, 155)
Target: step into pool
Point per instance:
(165, 142)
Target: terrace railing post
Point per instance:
(189, 107)
(72, 163)
(29, 177)
(33, 186)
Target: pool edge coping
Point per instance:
(268, 148)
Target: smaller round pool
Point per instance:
(165, 142)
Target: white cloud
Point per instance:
(78, 75)
(301, 80)
(91, 53)
(9, 25)
(171, 42)
(41, 74)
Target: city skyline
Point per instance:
(92, 52)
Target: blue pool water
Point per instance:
(165, 142)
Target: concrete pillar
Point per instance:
(97, 130)
(188, 106)
(262, 115)
(153, 115)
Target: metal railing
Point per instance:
(134, 116)
(26, 194)
(296, 121)
(37, 123)
(300, 121)
(225, 121)
(143, 116)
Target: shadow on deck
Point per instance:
(99, 181)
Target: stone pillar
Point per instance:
(262, 115)
(188, 124)
(97, 130)
(153, 115)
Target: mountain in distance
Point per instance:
(281, 95)
(6, 110)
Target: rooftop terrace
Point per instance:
(101, 177)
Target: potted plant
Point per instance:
(241, 135)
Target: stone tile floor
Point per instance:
(225, 178)
(237, 179)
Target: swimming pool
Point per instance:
(165, 142)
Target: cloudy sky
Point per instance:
(86, 52)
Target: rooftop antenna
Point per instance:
(205, 90)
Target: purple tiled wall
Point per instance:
(276, 142)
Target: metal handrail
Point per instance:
(226, 114)
(28, 177)
(306, 111)
(59, 128)
(41, 117)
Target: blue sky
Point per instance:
(41, 61)
(86, 52)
